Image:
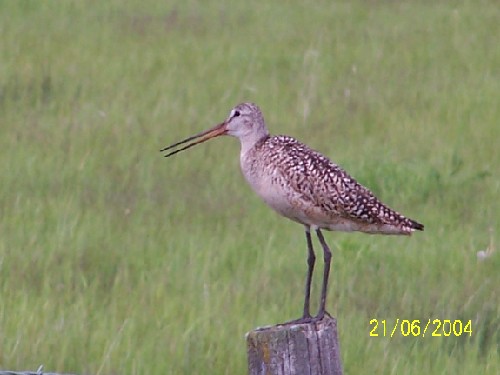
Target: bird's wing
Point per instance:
(324, 184)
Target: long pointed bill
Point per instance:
(203, 136)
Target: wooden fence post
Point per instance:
(295, 349)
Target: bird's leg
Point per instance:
(311, 259)
(326, 273)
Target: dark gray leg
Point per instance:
(326, 273)
(311, 259)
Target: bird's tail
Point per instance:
(415, 225)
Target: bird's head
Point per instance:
(245, 121)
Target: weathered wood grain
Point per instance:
(295, 349)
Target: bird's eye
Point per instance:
(236, 113)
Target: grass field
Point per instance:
(114, 260)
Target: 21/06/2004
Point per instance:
(418, 328)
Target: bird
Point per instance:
(304, 186)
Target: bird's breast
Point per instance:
(274, 190)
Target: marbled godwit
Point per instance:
(304, 186)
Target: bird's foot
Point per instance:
(321, 315)
(307, 319)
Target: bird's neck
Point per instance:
(251, 141)
(252, 163)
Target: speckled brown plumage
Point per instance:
(305, 186)
(321, 188)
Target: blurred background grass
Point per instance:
(114, 260)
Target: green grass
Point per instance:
(115, 260)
